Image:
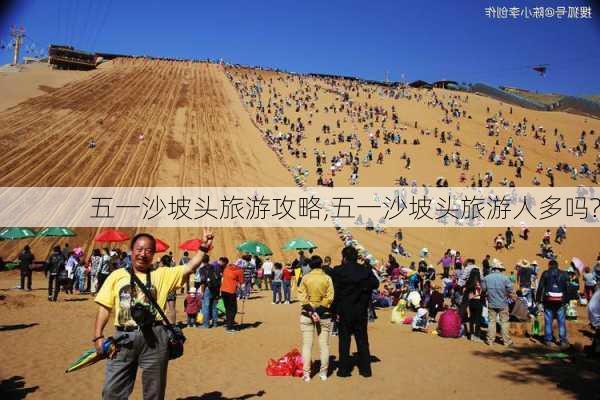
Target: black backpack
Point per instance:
(213, 281)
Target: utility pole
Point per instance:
(17, 34)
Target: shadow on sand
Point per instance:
(248, 325)
(16, 327)
(334, 364)
(577, 374)
(14, 388)
(216, 395)
(77, 299)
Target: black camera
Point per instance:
(142, 315)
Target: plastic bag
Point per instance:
(536, 328)
(571, 311)
(399, 312)
(289, 365)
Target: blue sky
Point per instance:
(427, 40)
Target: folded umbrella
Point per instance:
(90, 357)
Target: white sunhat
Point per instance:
(497, 264)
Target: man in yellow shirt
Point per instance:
(316, 295)
(147, 343)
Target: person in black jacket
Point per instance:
(353, 284)
(54, 266)
(26, 259)
(552, 293)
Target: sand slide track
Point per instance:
(69, 137)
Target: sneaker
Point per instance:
(273, 302)
(306, 377)
(565, 346)
(287, 302)
(323, 376)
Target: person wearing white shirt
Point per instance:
(267, 273)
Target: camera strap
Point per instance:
(135, 280)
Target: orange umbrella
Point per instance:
(161, 246)
(111, 235)
(192, 245)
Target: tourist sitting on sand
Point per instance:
(413, 299)
(499, 242)
(436, 301)
(546, 251)
(383, 298)
(420, 320)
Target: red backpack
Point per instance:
(449, 324)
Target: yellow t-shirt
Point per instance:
(116, 292)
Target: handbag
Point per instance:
(176, 337)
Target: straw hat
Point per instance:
(523, 263)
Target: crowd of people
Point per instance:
(483, 294)
(355, 131)
(463, 298)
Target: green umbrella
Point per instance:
(16, 233)
(90, 357)
(56, 231)
(299, 244)
(255, 248)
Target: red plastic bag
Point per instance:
(288, 365)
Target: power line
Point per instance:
(101, 26)
(87, 24)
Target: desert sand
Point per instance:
(200, 130)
